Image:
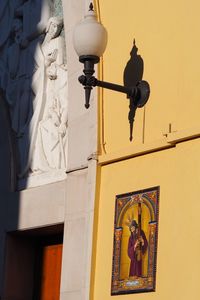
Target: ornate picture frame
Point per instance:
(135, 242)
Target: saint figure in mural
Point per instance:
(135, 242)
(137, 247)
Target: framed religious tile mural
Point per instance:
(135, 242)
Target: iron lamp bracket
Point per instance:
(138, 94)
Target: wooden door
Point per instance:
(50, 272)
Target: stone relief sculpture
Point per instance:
(51, 136)
(33, 76)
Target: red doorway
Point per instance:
(33, 264)
(50, 272)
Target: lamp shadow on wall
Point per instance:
(133, 73)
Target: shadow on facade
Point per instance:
(133, 73)
(9, 204)
(134, 69)
(22, 24)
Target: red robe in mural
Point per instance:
(136, 265)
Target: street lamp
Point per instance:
(90, 40)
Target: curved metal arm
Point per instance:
(92, 81)
(138, 94)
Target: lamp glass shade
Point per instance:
(89, 37)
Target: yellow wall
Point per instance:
(177, 172)
(166, 34)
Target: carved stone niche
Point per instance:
(33, 76)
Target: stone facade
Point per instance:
(49, 141)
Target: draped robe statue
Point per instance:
(49, 153)
(34, 78)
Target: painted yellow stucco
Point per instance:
(166, 34)
(166, 146)
(177, 172)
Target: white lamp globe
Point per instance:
(90, 37)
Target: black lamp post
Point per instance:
(90, 40)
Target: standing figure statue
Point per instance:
(18, 90)
(25, 69)
(49, 151)
(33, 76)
